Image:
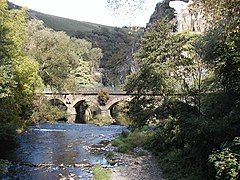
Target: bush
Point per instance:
(137, 138)
(101, 120)
(175, 167)
(227, 161)
(45, 111)
(103, 97)
(120, 114)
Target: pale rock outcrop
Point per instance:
(187, 17)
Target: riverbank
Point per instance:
(137, 167)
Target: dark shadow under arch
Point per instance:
(80, 108)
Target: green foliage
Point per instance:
(19, 77)
(101, 173)
(191, 126)
(116, 43)
(120, 113)
(103, 97)
(219, 9)
(227, 160)
(65, 62)
(43, 110)
(137, 138)
(101, 120)
(109, 155)
(168, 63)
(175, 168)
(219, 47)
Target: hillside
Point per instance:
(62, 24)
(116, 43)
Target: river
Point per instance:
(51, 151)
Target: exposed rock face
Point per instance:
(181, 12)
(189, 19)
(162, 10)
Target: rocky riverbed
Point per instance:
(69, 151)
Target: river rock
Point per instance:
(82, 165)
(112, 162)
(104, 142)
(60, 175)
(125, 132)
(72, 175)
(140, 151)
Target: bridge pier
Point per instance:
(72, 111)
(105, 112)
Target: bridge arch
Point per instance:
(87, 99)
(83, 111)
(116, 100)
(58, 102)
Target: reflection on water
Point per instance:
(58, 147)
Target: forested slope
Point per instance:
(116, 43)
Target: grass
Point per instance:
(100, 173)
(137, 138)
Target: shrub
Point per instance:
(45, 111)
(120, 114)
(137, 138)
(227, 161)
(103, 97)
(101, 120)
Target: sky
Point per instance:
(95, 11)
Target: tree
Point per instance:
(19, 73)
(219, 49)
(50, 49)
(168, 62)
(169, 65)
(63, 59)
(19, 77)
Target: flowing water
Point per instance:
(51, 151)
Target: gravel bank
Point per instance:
(137, 168)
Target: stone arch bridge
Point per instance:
(71, 100)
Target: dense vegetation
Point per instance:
(66, 63)
(117, 44)
(34, 58)
(18, 74)
(197, 119)
(194, 124)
